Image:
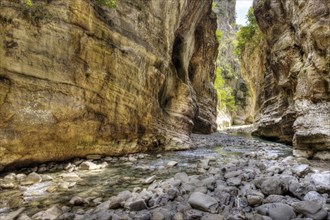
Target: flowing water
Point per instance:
(123, 175)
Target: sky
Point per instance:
(242, 7)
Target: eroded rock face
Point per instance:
(79, 79)
(296, 93)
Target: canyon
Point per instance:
(79, 78)
(294, 93)
(109, 109)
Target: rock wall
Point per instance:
(252, 69)
(229, 64)
(77, 78)
(296, 94)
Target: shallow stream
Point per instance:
(124, 174)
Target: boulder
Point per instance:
(310, 209)
(277, 211)
(203, 202)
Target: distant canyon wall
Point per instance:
(77, 78)
(228, 63)
(295, 98)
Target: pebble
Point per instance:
(70, 177)
(32, 178)
(87, 165)
(149, 180)
(171, 164)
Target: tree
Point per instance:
(249, 33)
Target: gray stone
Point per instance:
(273, 186)
(193, 214)
(23, 217)
(50, 214)
(234, 181)
(32, 178)
(277, 211)
(183, 177)
(70, 177)
(212, 217)
(8, 185)
(10, 177)
(87, 165)
(20, 177)
(149, 179)
(254, 200)
(203, 202)
(137, 205)
(157, 216)
(321, 182)
(233, 174)
(313, 195)
(310, 209)
(301, 170)
(171, 164)
(178, 216)
(78, 201)
(13, 214)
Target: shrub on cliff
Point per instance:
(108, 3)
(249, 34)
(226, 99)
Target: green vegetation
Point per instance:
(108, 3)
(226, 99)
(214, 6)
(218, 35)
(248, 34)
(28, 3)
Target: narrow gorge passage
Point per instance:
(156, 110)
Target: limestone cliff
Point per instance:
(229, 66)
(252, 69)
(296, 92)
(77, 78)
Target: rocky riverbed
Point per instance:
(224, 177)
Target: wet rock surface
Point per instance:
(232, 178)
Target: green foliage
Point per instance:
(28, 3)
(214, 6)
(218, 35)
(248, 34)
(226, 99)
(227, 71)
(108, 3)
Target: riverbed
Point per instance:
(134, 173)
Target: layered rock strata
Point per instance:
(296, 92)
(77, 78)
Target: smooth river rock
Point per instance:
(277, 211)
(203, 202)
